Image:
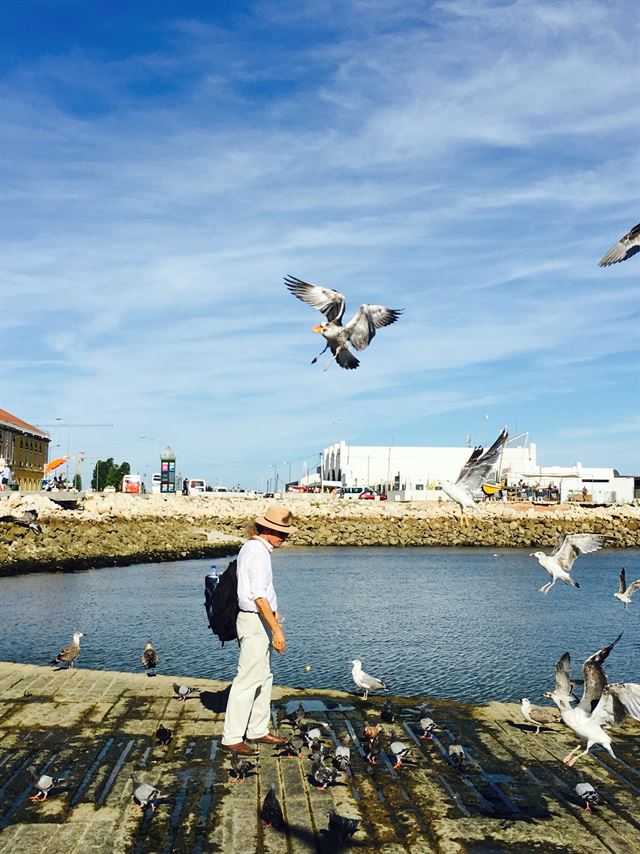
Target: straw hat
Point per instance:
(277, 518)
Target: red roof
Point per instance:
(9, 420)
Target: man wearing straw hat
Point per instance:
(259, 629)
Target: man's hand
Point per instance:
(278, 640)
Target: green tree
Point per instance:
(109, 473)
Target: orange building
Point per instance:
(24, 448)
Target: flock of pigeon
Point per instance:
(361, 329)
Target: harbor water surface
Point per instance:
(465, 624)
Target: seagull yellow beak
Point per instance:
(316, 328)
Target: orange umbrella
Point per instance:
(54, 464)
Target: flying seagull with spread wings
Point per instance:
(358, 332)
(474, 473)
(602, 705)
(624, 248)
(559, 564)
(625, 593)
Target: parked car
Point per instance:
(351, 492)
(371, 495)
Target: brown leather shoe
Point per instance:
(241, 748)
(268, 739)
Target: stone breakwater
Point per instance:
(120, 529)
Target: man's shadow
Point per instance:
(215, 701)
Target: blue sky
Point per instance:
(166, 165)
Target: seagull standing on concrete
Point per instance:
(474, 473)
(624, 248)
(68, 654)
(536, 715)
(559, 564)
(625, 593)
(364, 681)
(358, 332)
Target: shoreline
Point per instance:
(116, 529)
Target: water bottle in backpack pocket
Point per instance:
(221, 601)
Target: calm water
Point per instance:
(461, 623)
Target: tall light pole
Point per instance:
(152, 439)
(288, 464)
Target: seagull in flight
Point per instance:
(474, 473)
(624, 248)
(625, 593)
(602, 705)
(559, 564)
(358, 332)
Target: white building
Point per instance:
(414, 473)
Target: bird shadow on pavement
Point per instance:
(215, 701)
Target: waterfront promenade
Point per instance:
(97, 728)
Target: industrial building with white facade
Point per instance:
(414, 473)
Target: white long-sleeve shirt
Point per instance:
(255, 579)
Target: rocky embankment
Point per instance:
(119, 529)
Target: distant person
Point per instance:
(259, 630)
(5, 479)
(185, 486)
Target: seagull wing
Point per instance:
(475, 456)
(635, 585)
(326, 300)
(574, 545)
(362, 326)
(595, 679)
(623, 581)
(617, 702)
(371, 681)
(624, 248)
(478, 471)
(563, 680)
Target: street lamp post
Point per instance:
(288, 464)
(152, 439)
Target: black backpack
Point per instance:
(221, 602)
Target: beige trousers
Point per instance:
(249, 704)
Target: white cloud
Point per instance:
(468, 162)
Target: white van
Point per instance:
(156, 480)
(195, 486)
(351, 492)
(220, 489)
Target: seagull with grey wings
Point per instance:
(602, 705)
(625, 248)
(149, 659)
(625, 593)
(559, 564)
(358, 332)
(474, 473)
(363, 680)
(564, 683)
